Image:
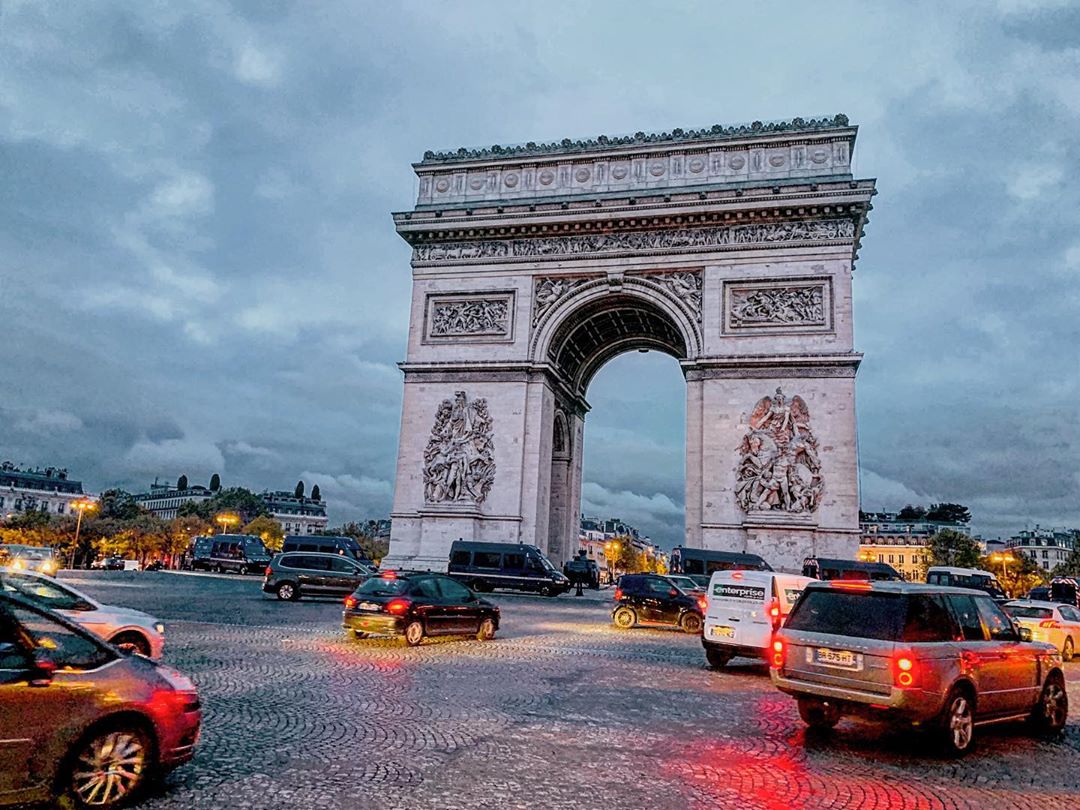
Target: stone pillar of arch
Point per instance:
(730, 249)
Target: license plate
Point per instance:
(368, 606)
(837, 659)
(722, 632)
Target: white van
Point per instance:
(744, 609)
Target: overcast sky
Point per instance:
(199, 273)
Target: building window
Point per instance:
(901, 559)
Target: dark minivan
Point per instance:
(314, 573)
(699, 563)
(326, 544)
(242, 553)
(825, 568)
(515, 566)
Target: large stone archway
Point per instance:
(730, 249)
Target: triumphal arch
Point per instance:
(730, 248)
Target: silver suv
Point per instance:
(947, 659)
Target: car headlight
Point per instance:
(16, 565)
(160, 628)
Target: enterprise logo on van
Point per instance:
(739, 592)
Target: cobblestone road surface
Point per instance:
(559, 711)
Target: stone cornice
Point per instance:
(567, 146)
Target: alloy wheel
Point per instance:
(1055, 705)
(414, 633)
(961, 723)
(109, 768)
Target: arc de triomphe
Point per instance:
(729, 248)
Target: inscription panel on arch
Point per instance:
(772, 306)
(482, 317)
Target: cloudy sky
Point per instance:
(198, 270)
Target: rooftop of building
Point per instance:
(716, 132)
(45, 479)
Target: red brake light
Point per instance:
(851, 584)
(351, 602)
(389, 575)
(737, 575)
(398, 607)
(268, 571)
(618, 594)
(778, 653)
(775, 615)
(1050, 624)
(703, 603)
(905, 671)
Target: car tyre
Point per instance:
(552, 590)
(132, 642)
(1052, 711)
(625, 618)
(359, 634)
(486, 631)
(1068, 650)
(125, 752)
(957, 723)
(718, 659)
(243, 571)
(690, 623)
(287, 592)
(818, 715)
(414, 633)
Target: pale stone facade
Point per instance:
(731, 249)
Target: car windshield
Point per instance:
(384, 586)
(44, 592)
(849, 613)
(684, 582)
(1029, 612)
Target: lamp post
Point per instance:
(225, 519)
(80, 507)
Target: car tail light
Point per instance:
(398, 607)
(703, 603)
(389, 575)
(777, 653)
(904, 671)
(1050, 624)
(775, 616)
(851, 584)
(618, 594)
(737, 575)
(351, 602)
(268, 571)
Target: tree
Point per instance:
(299, 491)
(215, 482)
(912, 514)
(182, 530)
(315, 494)
(116, 504)
(950, 547)
(142, 537)
(268, 529)
(1018, 575)
(238, 500)
(1071, 566)
(364, 535)
(181, 483)
(948, 513)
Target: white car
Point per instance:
(128, 629)
(744, 609)
(1049, 621)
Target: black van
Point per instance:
(699, 563)
(827, 568)
(325, 544)
(486, 566)
(242, 553)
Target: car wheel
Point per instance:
(624, 618)
(552, 591)
(818, 714)
(1069, 650)
(1052, 710)
(957, 723)
(414, 633)
(690, 623)
(718, 659)
(132, 643)
(243, 571)
(486, 631)
(480, 586)
(287, 592)
(359, 634)
(107, 768)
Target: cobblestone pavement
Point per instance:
(559, 711)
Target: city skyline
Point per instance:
(200, 268)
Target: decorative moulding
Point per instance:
(797, 305)
(473, 317)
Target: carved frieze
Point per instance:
(722, 237)
(778, 305)
(779, 469)
(459, 460)
(475, 317)
(548, 291)
(684, 285)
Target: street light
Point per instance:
(1003, 558)
(79, 506)
(226, 519)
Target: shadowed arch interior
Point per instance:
(607, 328)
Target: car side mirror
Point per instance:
(673, 592)
(41, 670)
(1025, 633)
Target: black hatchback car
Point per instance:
(654, 599)
(415, 605)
